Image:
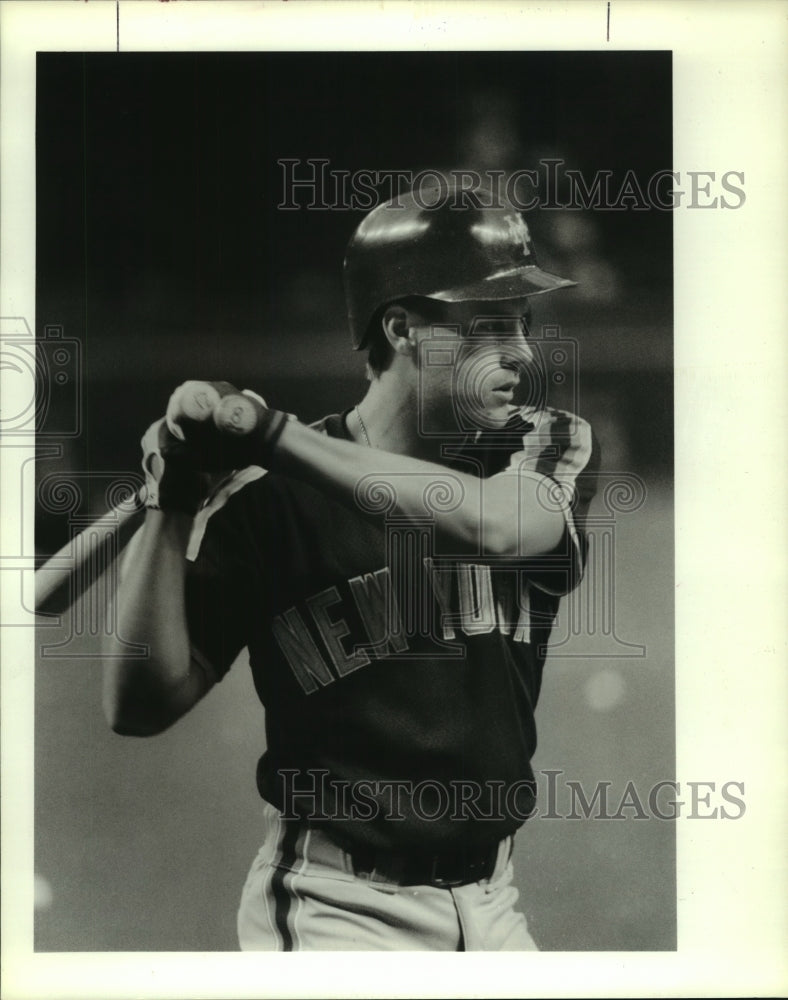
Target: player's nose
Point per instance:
(516, 356)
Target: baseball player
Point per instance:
(394, 571)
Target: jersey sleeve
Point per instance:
(221, 576)
(562, 447)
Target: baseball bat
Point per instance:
(66, 575)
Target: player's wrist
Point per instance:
(173, 483)
(173, 498)
(167, 518)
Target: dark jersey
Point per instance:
(399, 680)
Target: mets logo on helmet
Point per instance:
(519, 231)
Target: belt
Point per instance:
(452, 868)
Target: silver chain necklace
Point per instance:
(363, 428)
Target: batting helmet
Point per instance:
(441, 244)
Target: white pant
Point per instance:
(301, 894)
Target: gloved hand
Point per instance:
(209, 428)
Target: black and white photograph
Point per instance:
(445, 277)
(354, 495)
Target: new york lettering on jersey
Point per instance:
(470, 598)
(331, 597)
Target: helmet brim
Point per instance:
(513, 283)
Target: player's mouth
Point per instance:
(504, 391)
(503, 396)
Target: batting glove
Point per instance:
(173, 480)
(226, 429)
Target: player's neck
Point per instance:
(388, 418)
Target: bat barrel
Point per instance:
(66, 575)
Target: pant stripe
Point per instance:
(280, 890)
(299, 897)
(266, 897)
(273, 859)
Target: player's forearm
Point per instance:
(141, 694)
(501, 517)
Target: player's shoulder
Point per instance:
(548, 427)
(554, 442)
(550, 420)
(555, 428)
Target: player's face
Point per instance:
(488, 348)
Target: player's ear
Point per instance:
(398, 325)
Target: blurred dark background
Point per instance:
(162, 253)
